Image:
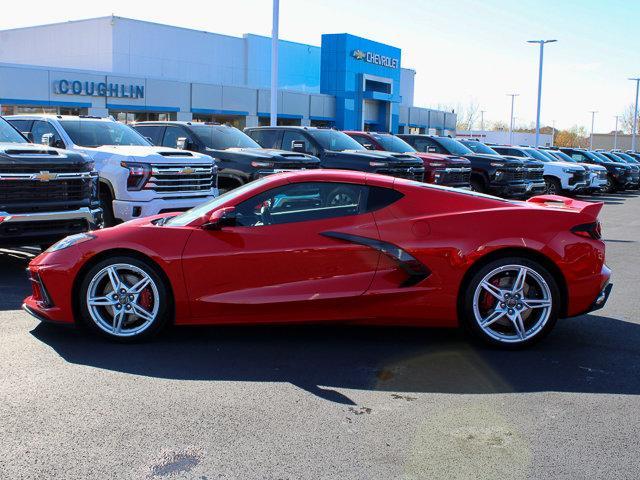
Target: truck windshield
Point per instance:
(8, 134)
(533, 153)
(95, 133)
(391, 143)
(479, 147)
(453, 146)
(596, 156)
(558, 155)
(334, 140)
(219, 137)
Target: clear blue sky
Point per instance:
(463, 51)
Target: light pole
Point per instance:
(541, 43)
(615, 134)
(593, 119)
(513, 98)
(635, 116)
(482, 125)
(273, 121)
(553, 132)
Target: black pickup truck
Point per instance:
(238, 157)
(45, 193)
(336, 149)
(490, 173)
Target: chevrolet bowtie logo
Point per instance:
(359, 54)
(44, 176)
(187, 171)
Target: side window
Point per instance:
(21, 125)
(171, 135)
(153, 133)
(300, 202)
(577, 156)
(288, 137)
(41, 128)
(423, 144)
(362, 140)
(265, 138)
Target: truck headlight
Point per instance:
(139, 173)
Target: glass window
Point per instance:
(334, 140)
(21, 125)
(301, 202)
(533, 153)
(289, 136)
(266, 138)
(221, 137)
(422, 144)
(391, 143)
(95, 133)
(41, 128)
(151, 132)
(479, 147)
(9, 134)
(171, 135)
(452, 146)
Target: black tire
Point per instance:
(106, 203)
(477, 185)
(468, 317)
(163, 312)
(553, 186)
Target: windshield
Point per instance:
(95, 133)
(453, 146)
(197, 212)
(561, 156)
(334, 140)
(8, 134)
(533, 153)
(391, 143)
(479, 147)
(597, 156)
(220, 137)
(625, 157)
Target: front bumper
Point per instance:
(127, 209)
(46, 227)
(518, 190)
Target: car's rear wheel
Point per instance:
(123, 298)
(511, 302)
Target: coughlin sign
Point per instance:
(375, 58)
(97, 89)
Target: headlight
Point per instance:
(139, 173)
(378, 164)
(70, 241)
(496, 164)
(570, 170)
(262, 164)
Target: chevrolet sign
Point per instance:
(376, 59)
(44, 176)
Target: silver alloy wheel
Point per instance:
(512, 303)
(122, 300)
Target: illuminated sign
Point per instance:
(97, 89)
(375, 58)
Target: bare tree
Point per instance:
(626, 124)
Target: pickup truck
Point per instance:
(338, 150)
(45, 193)
(137, 179)
(447, 170)
(619, 174)
(597, 174)
(490, 172)
(239, 158)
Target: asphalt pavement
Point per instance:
(326, 402)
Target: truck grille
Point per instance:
(578, 177)
(175, 179)
(58, 228)
(453, 176)
(27, 192)
(412, 173)
(535, 174)
(40, 167)
(514, 175)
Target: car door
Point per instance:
(283, 260)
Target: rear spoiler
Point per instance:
(588, 208)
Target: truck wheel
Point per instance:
(106, 203)
(477, 185)
(553, 186)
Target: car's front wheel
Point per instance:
(511, 302)
(123, 298)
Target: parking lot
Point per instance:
(323, 401)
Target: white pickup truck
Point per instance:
(137, 179)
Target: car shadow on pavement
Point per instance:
(14, 283)
(590, 354)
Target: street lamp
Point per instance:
(513, 98)
(635, 116)
(553, 133)
(273, 121)
(593, 118)
(482, 125)
(541, 43)
(615, 134)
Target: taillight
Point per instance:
(139, 173)
(588, 230)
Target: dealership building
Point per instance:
(136, 70)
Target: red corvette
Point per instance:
(328, 246)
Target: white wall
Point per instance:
(502, 137)
(407, 80)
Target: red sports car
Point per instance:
(334, 246)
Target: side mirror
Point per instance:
(223, 217)
(298, 146)
(148, 139)
(368, 146)
(431, 149)
(181, 143)
(28, 135)
(47, 139)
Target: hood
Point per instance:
(30, 153)
(511, 161)
(378, 155)
(592, 167)
(572, 166)
(146, 154)
(274, 155)
(449, 160)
